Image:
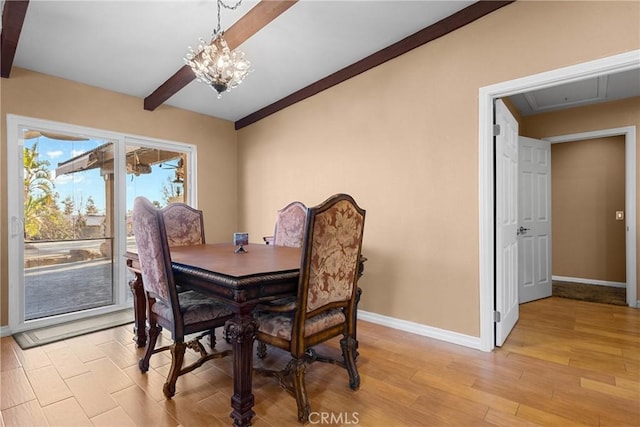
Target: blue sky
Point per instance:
(90, 183)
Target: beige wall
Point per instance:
(403, 140)
(586, 119)
(588, 187)
(39, 96)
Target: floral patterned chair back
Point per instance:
(184, 224)
(153, 252)
(332, 252)
(290, 225)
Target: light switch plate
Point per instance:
(619, 215)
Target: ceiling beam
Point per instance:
(13, 15)
(432, 32)
(258, 17)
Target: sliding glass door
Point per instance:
(71, 191)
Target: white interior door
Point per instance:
(534, 212)
(506, 161)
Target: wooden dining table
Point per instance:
(241, 280)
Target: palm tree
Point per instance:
(38, 191)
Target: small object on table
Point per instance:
(240, 239)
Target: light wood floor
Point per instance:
(566, 363)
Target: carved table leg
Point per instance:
(241, 331)
(139, 311)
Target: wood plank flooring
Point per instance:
(566, 363)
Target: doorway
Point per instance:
(487, 96)
(589, 229)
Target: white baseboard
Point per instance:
(419, 329)
(590, 281)
(5, 331)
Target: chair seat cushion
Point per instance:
(279, 324)
(279, 305)
(194, 306)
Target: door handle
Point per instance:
(522, 230)
(17, 227)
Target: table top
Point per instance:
(221, 258)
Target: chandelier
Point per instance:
(215, 64)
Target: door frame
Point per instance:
(486, 181)
(15, 122)
(629, 133)
(17, 322)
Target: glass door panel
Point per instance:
(68, 224)
(159, 174)
(155, 173)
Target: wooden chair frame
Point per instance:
(300, 346)
(176, 324)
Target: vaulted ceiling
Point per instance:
(297, 48)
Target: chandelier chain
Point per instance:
(228, 7)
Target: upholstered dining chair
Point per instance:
(289, 228)
(326, 297)
(183, 313)
(289, 231)
(185, 226)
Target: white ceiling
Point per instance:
(594, 90)
(132, 47)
